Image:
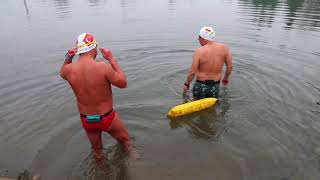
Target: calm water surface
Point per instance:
(266, 126)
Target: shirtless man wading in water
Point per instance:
(91, 83)
(207, 64)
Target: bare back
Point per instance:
(90, 84)
(211, 59)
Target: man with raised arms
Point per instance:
(91, 83)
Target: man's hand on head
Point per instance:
(106, 53)
(70, 54)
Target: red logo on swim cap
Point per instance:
(88, 38)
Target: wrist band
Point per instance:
(185, 83)
(68, 58)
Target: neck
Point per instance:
(210, 42)
(86, 57)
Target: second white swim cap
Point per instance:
(207, 33)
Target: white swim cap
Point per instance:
(85, 43)
(207, 33)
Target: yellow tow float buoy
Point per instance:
(191, 107)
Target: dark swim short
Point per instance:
(205, 89)
(98, 122)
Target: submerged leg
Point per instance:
(120, 133)
(96, 142)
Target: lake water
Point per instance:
(266, 126)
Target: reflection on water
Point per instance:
(303, 13)
(202, 124)
(63, 8)
(114, 166)
(310, 14)
(171, 5)
(264, 11)
(127, 3)
(294, 6)
(205, 124)
(26, 6)
(97, 3)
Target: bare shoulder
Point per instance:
(199, 50)
(222, 46)
(103, 64)
(104, 67)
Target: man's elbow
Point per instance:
(62, 75)
(123, 84)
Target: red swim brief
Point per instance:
(98, 122)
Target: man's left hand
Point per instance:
(106, 53)
(225, 82)
(186, 87)
(70, 54)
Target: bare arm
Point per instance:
(115, 74)
(65, 68)
(193, 69)
(228, 63)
